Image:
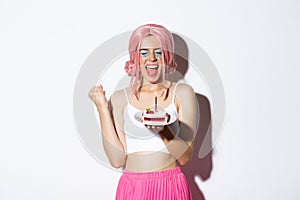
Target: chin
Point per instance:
(154, 80)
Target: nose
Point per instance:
(152, 56)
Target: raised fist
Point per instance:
(97, 95)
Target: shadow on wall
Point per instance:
(197, 166)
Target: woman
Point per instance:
(150, 155)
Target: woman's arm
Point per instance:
(112, 141)
(180, 145)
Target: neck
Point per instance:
(150, 87)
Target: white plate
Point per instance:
(138, 117)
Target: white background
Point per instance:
(253, 44)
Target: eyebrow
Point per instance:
(145, 49)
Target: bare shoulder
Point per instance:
(184, 90)
(118, 94)
(118, 98)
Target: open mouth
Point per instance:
(152, 70)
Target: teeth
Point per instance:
(152, 66)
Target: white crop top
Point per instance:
(138, 137)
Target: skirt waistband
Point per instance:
(164, 173)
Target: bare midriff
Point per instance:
(150, 161)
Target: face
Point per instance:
(151, 60)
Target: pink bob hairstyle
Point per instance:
(167, 45)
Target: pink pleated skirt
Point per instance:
(163, 185)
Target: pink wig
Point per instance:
(167, 46)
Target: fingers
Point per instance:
(155, 129)
(97, 95)
(96, 90)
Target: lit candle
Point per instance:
(155, 101)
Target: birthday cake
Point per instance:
(152, 117)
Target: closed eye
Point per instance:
(144, 53)
(158, 52)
